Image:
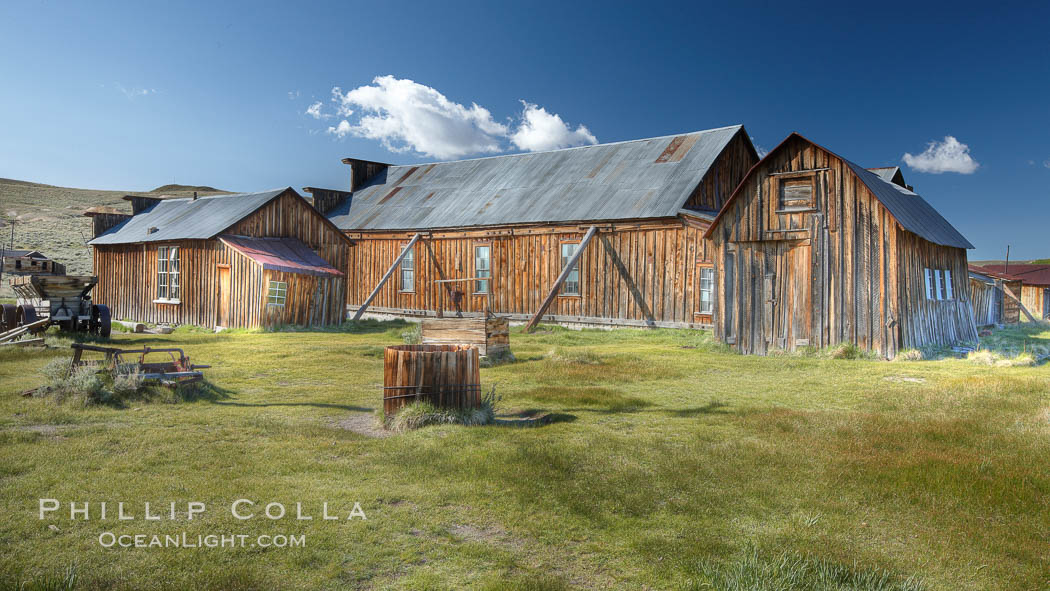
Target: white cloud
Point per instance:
(406, 116)
(540, 130)
(314, 111)
(342, 130)
(293, 94)
(1046, 163)
(133, 93)
(947, 156)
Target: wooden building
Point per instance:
(1029, 283)
(609, 234)
(814, 250)
(29, 262)
(986, 297)
(236, 261)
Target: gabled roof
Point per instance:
(647, 178)
(910, 210)
(187, 218)
(290, 255)
(18, 254)
(890, 174)
(1029, 274)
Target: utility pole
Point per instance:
(1007, 271)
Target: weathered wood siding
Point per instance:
(725, 174)
(835, 270)
(985, 302)
(1033, 297)
(641, 273)
(490, 334)
(128, 274)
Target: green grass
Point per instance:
(672, 464)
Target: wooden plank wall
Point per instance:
(491, 335)
(736, 159)
(642, 272)
(857, 264)
(1032, 297)
(311, 300)
(128, 273)
(983, 300)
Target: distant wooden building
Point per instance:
(609, 234)
(236, 261)
(1030, 283)
(29, 262)
(986, 297)
(814, 250)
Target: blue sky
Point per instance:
(134, 95)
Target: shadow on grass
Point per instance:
(368, 326)
(714, 407)
(532, 417)
(313, 404)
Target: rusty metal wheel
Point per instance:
(27, 315)
(101, 324)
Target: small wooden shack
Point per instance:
(235, 261)
(1029, 283)
(29, 262)
(986, 296)
(814, 250)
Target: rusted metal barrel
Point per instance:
(444, 375)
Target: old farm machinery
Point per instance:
(60, 300)
(172, 369)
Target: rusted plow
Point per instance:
(175, 370)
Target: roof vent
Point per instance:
(152, 229)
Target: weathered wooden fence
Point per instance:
(443, 375)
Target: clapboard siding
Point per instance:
(834, 271)
(644, 271)
(128, 274)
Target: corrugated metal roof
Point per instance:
(646, 178)
(910, 210)
(281, 254)
(187, 218)
(17, 254)
(885, 172)
(1028, 273)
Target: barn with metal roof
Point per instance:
(813, 250)
(608, 234)
(235, 260)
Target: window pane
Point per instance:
(929, 284)
(275, 293)
(408, 271)
(571, 286)
(937, 285)
(481, 268)
(707, 285)
(948, 284)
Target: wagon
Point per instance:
(60, 300)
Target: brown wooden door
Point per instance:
(223, 318)
(789, 304)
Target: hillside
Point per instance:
(50, 219)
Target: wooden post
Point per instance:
(389, 272)
(561, 279)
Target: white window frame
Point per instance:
(484, 274)
(168, 288)
(929, 284)
(948, 292)
(707, 306)
(937, 294)
(276, 293)
(408, 272)
(571, 285)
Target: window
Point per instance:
(707, 290)
(796, 192)
(168, 273)
(571, 286)
(939, 284)
(276, 293)
(482, 268)
(408, 271)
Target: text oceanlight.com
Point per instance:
(184, 540)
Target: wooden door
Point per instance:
(223, 316)
(789, 301)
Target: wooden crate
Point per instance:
(490, 335)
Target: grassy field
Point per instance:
(50, 219)
(671, 463)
